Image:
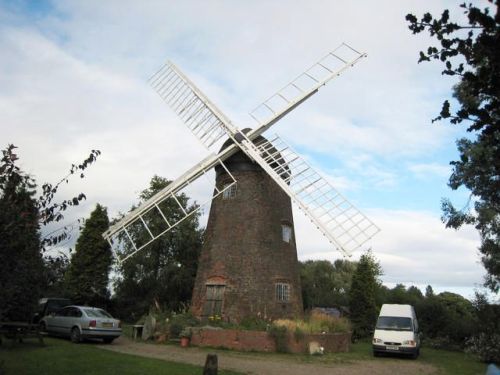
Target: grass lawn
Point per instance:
(453, 362)
(60, 356)
(447, 362)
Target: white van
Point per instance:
(396, 331)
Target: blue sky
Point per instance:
(73, 77)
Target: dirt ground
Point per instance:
(263, 364)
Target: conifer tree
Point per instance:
(88, 273)
(362, 301)
(22, 270)
(24, 276)
(429, 292)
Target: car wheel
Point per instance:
(376, 354)
(76, 337)
(108, 340)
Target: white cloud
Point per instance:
(373, 173)
(413, 248)
(63, 107)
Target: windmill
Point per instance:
(237, 276)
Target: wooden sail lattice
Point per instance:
(336, 218)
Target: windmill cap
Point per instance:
(240, 162)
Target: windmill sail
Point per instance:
(305, 85)
(152, 216)
(209, 124)
(343, 224)
(200, 115)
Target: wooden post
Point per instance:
(210, 365)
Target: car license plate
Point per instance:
(107, 325)
(392, 347)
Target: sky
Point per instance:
(73, 77)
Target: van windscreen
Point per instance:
(394, 323)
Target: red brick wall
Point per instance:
(244, 249)
(234, 339)
(262, 341)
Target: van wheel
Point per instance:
(376, 354)
(416, 354)
(108, 340)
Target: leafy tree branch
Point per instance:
(471, 53)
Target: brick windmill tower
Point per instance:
(248, 265)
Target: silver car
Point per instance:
(79, 322)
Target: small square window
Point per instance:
(286, 232)
(282, 292)
(229, 191)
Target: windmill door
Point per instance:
(213, 301)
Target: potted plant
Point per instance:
(185, 336)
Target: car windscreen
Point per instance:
(394, 323)
(97, 313)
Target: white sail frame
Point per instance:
(345, 226)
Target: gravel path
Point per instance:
(252, 363)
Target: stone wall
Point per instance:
(263, 342)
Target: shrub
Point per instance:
(326, 323)
(279, 334)
(485, 341)
(316, 323)
(298, 334)
(253, 324)
(178, 322)
(486, 346)
(447, 320)
(175, 329)
(186, 332)
(288, 324)
(441, 342)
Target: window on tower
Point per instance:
(286, 232)
(282, 292)
(229, 191)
